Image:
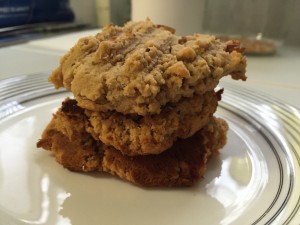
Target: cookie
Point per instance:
(153, 134)
(182, 165)
(141, 67)
(66, 131)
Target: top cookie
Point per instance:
(142, 66)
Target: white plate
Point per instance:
(255, 180)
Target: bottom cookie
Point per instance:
(181, 165)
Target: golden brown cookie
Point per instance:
(153, 134)
(66, 131)
(181, 165)
(141, 67)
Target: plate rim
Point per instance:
(34, 91)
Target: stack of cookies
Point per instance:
(144, 103)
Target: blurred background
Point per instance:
(34, 34)
(274, 19)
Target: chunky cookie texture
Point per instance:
(181, 165)
(141, 67)
(144, 103)
(153, 134)
(66, 137)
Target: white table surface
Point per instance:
(277, 75)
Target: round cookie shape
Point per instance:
(141, 67)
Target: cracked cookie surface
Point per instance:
(141, 67)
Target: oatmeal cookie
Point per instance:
(181, 165)
(153, 134)
(139, 68)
